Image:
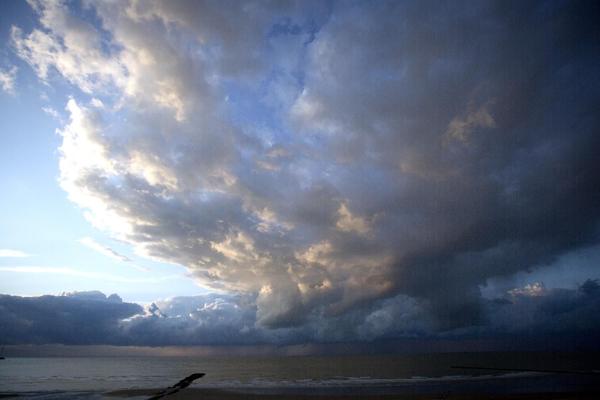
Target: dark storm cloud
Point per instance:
(558, 318)
(74, 318)
(361, 174)
(483, 116)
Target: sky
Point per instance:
(243, 173)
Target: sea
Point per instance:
(93, 377)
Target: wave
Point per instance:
(358, 381)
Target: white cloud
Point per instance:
(533, 290)
(7, 79)
(70, 46)
(51, 112)
(107, 251)
(97, 103)
(349, 222)
(13, 253)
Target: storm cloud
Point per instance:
(340, 171)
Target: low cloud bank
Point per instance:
(544, 318)
(74, 318)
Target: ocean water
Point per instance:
(89, 377)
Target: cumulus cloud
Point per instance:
(388, 169)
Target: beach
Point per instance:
(212, 394)
(419, 376)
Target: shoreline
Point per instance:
(542, 386)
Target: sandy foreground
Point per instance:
(213, 394)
